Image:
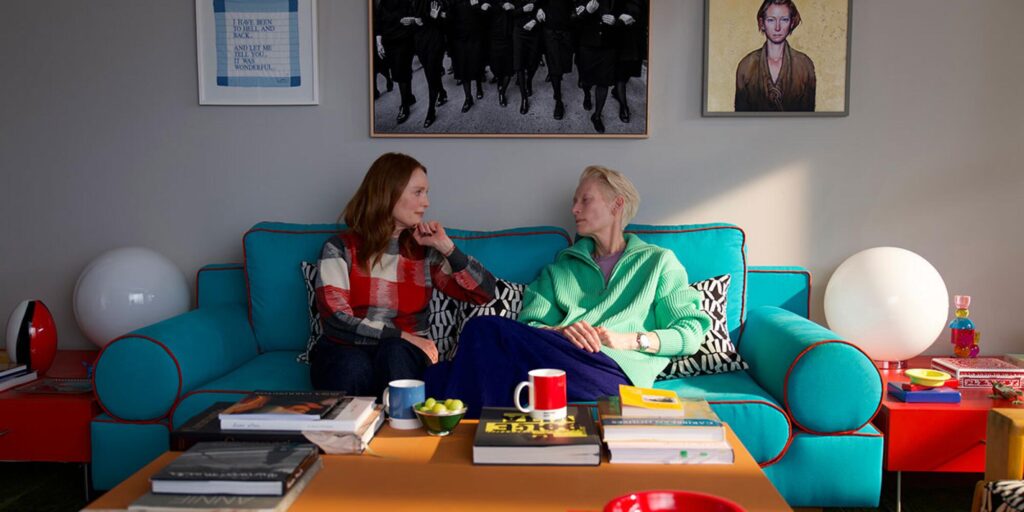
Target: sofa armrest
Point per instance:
(785, 287)
(139, 376)
(220, 284)
(827, 385)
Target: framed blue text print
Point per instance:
(257, 52)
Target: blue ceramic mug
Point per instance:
(399, 398)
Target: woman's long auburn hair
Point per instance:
(369, 213)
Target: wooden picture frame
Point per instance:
(811, 77)
(504, 48)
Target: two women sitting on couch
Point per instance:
(610, 310)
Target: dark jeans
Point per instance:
(364, 370)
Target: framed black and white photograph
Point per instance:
(515, 68)
(776, 57)
(257, 52)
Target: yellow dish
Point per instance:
(926, 377)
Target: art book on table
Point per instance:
(17, 379)
(257, 469)
(51, 386)
(205, 426)
(347, 414)
(152, 502)
(507, 436)
(671, 452)
(638, 401)
(283, 405)
(914, 394)
(699, 423)
(981, 372)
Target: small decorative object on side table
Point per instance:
(50, 427)
(934, 437)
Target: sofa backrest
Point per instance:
(707, 250)
(273, 253)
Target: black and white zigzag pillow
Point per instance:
(445, 317)
(310, 272)
(717, 354)
(507, 302)
(445, 321)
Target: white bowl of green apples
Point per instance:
(440, 416)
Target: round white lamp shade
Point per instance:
(125, 289)
(888, 301)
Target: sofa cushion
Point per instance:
(707, 250)
(716, 354)
(278, 309)
(270, 371)
(758, 419)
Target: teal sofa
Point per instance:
(803, 408)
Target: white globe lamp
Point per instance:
(888, 301)
(125, 289)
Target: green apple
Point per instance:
(429, 403)
(439, 409)
(455, 405)
(448, 403)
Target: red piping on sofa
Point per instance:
(177, 367)
(785, 389)
(234, 266)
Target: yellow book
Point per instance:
(649, 402)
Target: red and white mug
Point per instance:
(547, 395)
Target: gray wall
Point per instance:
(104, 145)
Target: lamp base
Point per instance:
(890, 365)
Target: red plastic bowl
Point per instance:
(671, 501)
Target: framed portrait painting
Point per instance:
(508, 68)
(257, 52)
(776, 57)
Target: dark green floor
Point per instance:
(45, 487)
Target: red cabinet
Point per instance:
(49, 428)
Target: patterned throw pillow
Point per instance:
(445, 317)
(717, 354)
(507, 303)
(310, 272)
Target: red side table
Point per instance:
(934, 437)
(50, 428)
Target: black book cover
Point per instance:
(507, 427)
(245, 462)
(205, 426)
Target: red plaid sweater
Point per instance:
(360, 307)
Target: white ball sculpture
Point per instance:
(125, 289)
(888, 301)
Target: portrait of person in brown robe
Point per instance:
(776, 77)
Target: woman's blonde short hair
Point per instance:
(618, 186)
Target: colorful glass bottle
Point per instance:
(961, 329)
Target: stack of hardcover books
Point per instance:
(981, 372)
(649, 426)
(507, 436)
(235, 476)
(359, 416)
(13, 374)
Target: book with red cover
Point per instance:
(981, 372)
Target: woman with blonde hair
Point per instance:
(376, 278)
(612, 309)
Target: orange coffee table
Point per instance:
(423, 473)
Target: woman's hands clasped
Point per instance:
(590, 338)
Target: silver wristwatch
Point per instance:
(642, 342)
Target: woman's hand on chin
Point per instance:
(432, 234)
